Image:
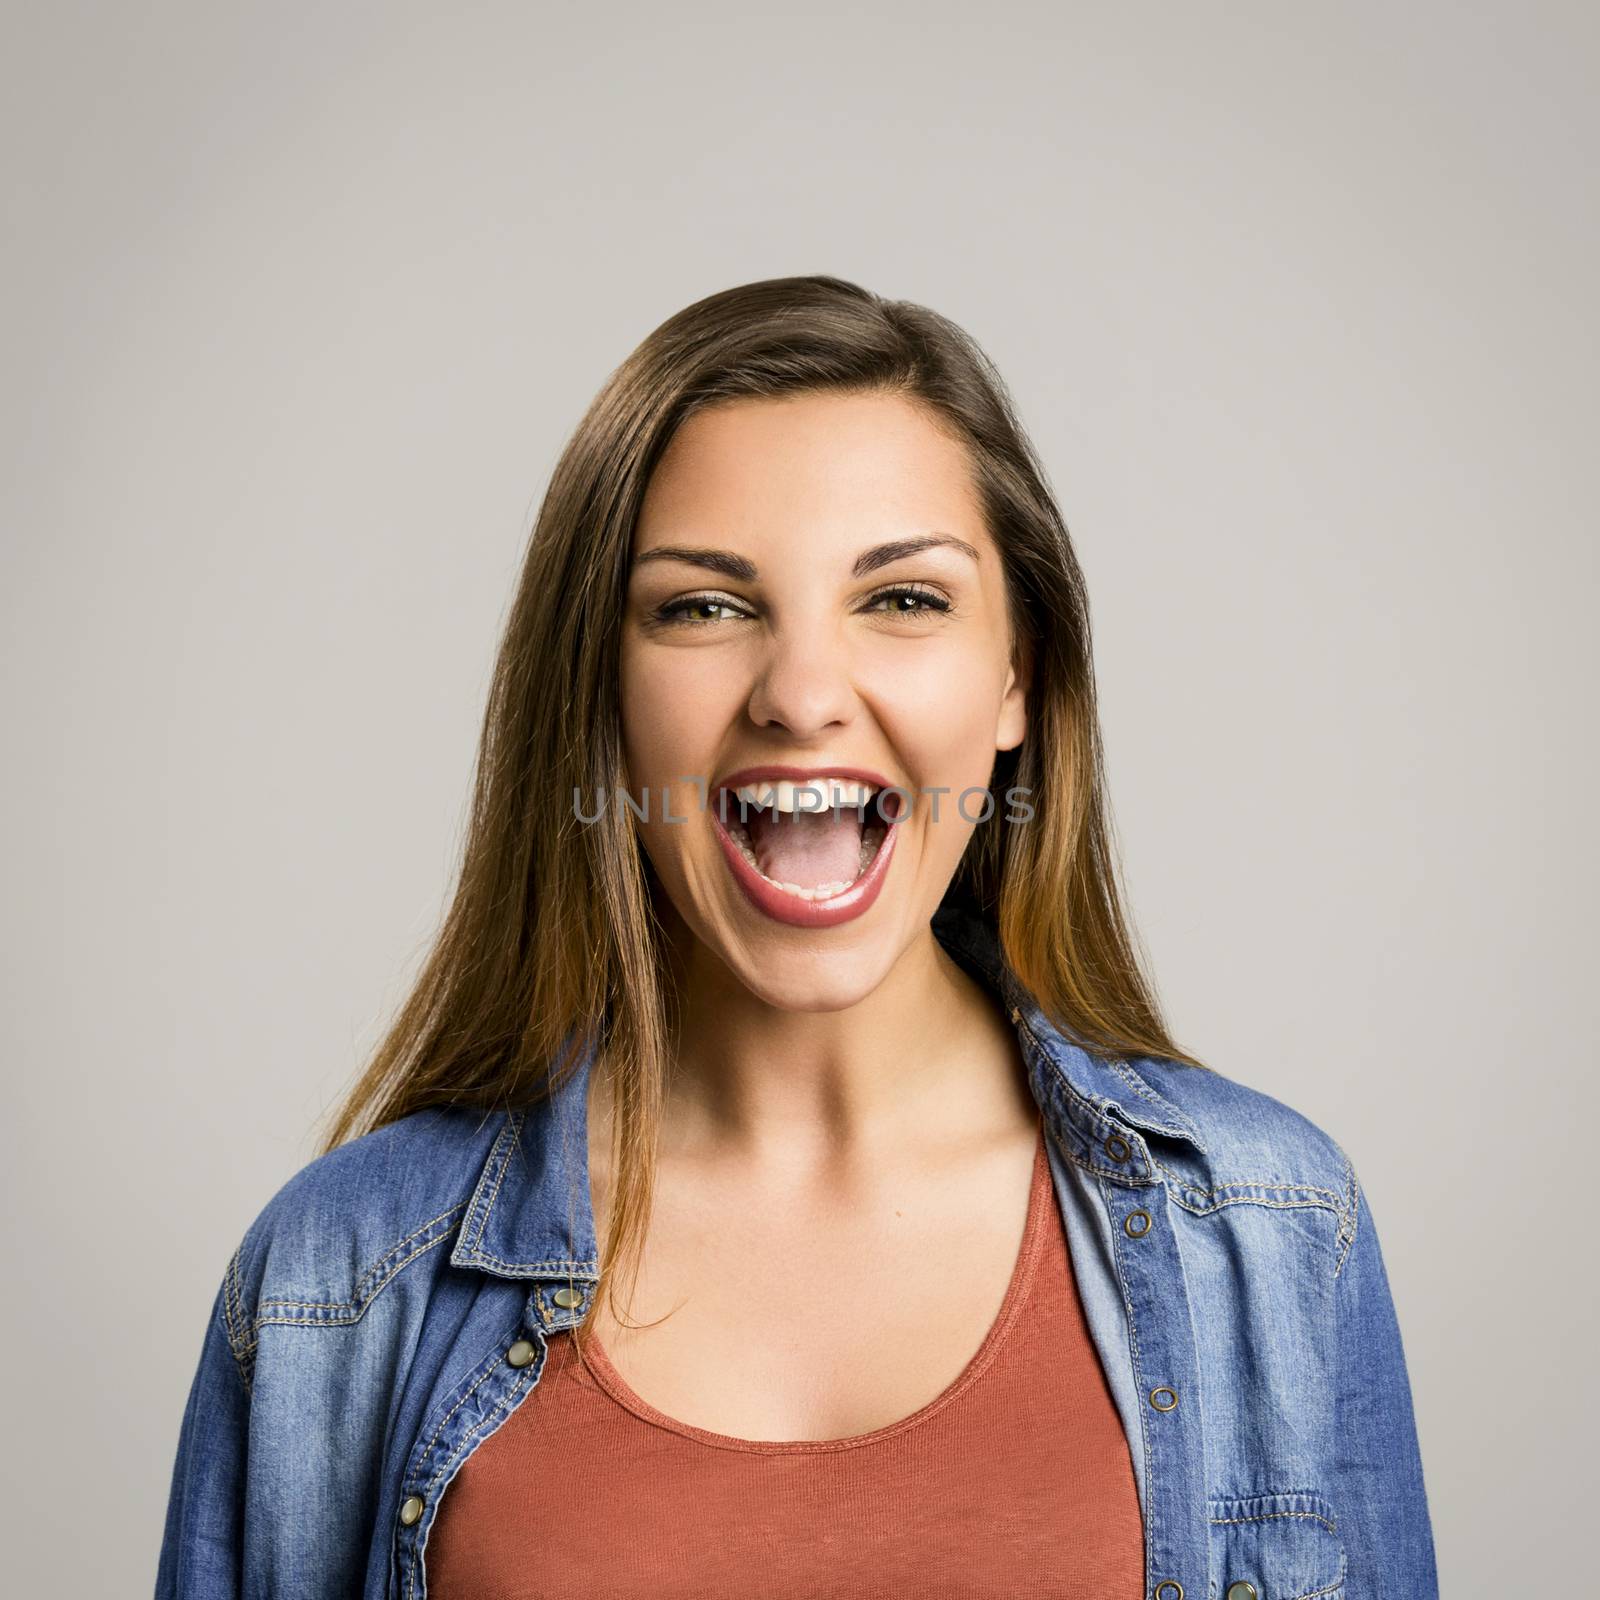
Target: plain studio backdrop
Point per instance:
(300, 305)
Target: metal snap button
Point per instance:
(567, 1298)
(1241, 1591)
(1163, 1399)
(411, 1509)
(1136, 1224)
(1118, 1148)
(1016, 1014)
(1169, 1589)
(521, 1353)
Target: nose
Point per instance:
(803, 684)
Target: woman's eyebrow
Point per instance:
(731, 565)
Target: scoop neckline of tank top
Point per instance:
(598, 1363)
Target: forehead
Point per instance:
(850, 463)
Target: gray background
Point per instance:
(300, 305)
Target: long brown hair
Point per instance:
(551, 942)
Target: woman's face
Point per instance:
(771, 622)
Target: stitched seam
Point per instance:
(393, 1250)
(522, 1381)
(527, 1268)
(346, 1312)
(1332, 1588)
(1230, 1503)
(1183, 1194)
(1353, 1217)
(1267, 1516)
(1311, 1516)
(510, 1136)
(1096, 1113)
(1127, 1180)
(1254, 1200)
(1058, 1084)
(482, 1378)
(356, 1307)
(1143, 1089)
(504, 1404)
(245, 1349)
(479, 1206)
(1153, 1516)
(1099, 1115)
(233, 1318)
(1335, 1199)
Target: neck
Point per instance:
(926, 1058)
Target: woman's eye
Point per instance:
(680, 610)
(922, 600)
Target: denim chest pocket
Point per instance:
(1275, 1547)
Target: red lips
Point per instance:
(778, 904)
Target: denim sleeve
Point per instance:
(1377, 1488)
(202, 1546)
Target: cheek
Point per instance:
(673, 707)
(942, 724)
(943, 717)
(666, 735)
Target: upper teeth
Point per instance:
(816, 794)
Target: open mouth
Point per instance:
(812, 840)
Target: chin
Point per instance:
(814, 981)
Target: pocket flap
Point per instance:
(1283, 1546)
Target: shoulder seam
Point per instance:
(241, 1339)
(373, 1280)
(1351, 1219)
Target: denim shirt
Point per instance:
(390, 1307)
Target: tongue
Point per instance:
(807, 848)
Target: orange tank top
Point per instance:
(1015, 1481)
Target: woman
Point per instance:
(781, 1181)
